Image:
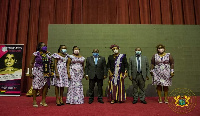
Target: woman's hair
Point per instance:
(39, 46)
(160, 46)
(74, 48)
(111, 46)
(60, 48)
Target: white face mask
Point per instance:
(161, 50)
(116, 51)
(138, 53)
(76, 51)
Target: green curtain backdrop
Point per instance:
(182, 41)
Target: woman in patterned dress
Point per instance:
(75, 69)
(61, 79)
(39, 81)
(162, 70)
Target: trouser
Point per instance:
(138, 82)
(92, 85)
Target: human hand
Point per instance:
(57, 75)
(86, 77)
(151, 73)
(31, 76)
(69, 76)
(172, 74)
(110, 74)
(104, 77)
(131, 78)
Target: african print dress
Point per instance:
(162, 70)
(75, 90)
(62, 81)
(39, 81)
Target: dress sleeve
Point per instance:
(35, 53)
(55, 55)
(125, 62)
(108, 63)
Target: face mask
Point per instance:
(116, 51)
(76, 51)
(95, 55)
(64, 50)
(44, 48)
(138, 53)
(161, 50)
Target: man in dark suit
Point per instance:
(95, 71)
(138, 73)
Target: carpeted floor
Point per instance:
(22, 106)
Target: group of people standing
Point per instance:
(69, 70)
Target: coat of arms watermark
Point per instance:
(182, 100)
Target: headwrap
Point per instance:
(114, 46)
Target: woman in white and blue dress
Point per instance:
(61, 78)
(75, 68)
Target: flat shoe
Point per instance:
(112, 102)
(58, 104)
(35, 105)
(166, 102)
(45, 105)
(160, 102)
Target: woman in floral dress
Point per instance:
(40, 76)
(75, 66)
(162, 70)
(61, 79)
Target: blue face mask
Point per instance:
(64, 50)
(95, 55)
(138, 53)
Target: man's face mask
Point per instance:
(44, 48)
(138, 53)
(115, 51)
(64, 50)
(95, 55)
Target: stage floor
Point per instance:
(22, 106)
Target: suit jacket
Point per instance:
(111, 64)
(91, 69)
(133, 67)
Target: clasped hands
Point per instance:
(111, 74)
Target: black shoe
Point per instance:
(90, 101)
(62, 104)
(134, 101)
(58, 104)
(100, 101)
(143, 101)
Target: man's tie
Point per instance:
(138, 59)
(95, 59)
